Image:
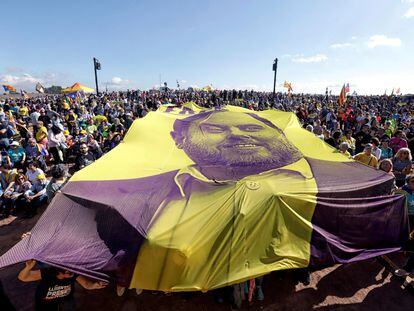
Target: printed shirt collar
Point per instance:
(300, 167)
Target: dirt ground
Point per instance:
(364, 285)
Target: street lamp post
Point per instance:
(96, 66)
(274, 79)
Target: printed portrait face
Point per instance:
(235, 139)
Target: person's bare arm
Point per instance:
(89, 284)
(29, 275)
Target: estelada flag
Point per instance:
(205, 198)
(342, 97)
(40, 88)
(9, 88)
(24, 94)
(288, 85)
(347, 88)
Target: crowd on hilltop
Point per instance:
(45, 138)
(70, 133)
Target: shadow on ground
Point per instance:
(364, 285)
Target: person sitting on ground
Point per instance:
(366, 157)
(36, 152)
(14, 194)
(59, 179)
(5, 158)
(8, 175)
(94, 147)
(33, 171)
(36, 195)
(55, 290)
(17, 155)
(84, 158)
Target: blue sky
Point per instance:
(229, 44)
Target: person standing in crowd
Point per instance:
(376, 150)
(366, 157)
(397, 142)
(362, 138)
(386, 151)
(57, 144)
(56, 287)
(408, 191)
(402, 165)
(41, 134)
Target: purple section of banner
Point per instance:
(354, 218)
(97, 228)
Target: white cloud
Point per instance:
(311, 59)
(354, 37)
(407, 1)
(118, 83)
(382, 40)
(26, 81)
(409, 13)
(363, 83)
(340, 45)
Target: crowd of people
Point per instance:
(44, 139)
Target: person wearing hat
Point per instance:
(17, 155)
(83, 136)
(366, 157)
(36, 195)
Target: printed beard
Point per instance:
(280, 154)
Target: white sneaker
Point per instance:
(139, 291)
(120, 290)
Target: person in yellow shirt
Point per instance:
(349, 140)
(23, 111)
(366, 157)
(41, 134)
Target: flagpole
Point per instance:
(96, 75)
(274, 79)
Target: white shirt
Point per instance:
(31, 176)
